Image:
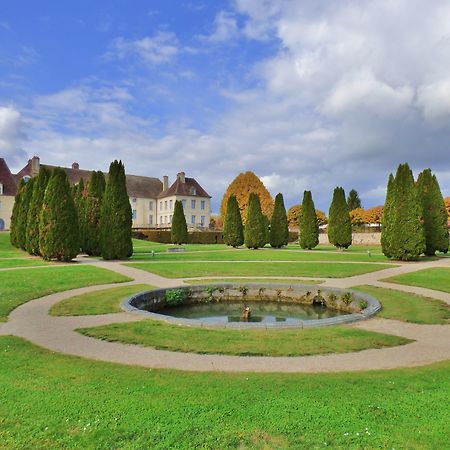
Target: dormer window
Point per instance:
(193, 191)
(26, 178)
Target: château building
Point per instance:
(152, 200)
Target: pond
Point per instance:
(264, 312)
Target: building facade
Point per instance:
(152, 200)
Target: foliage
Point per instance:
(388, 217)
(363, 304)
(79, 197)
(22, 218)
(14, 227)
(434, 213)
(58, 224)
(179, 232)
(339, 223)
(358, 217)
(93, 208)
(353, 200)
(279, 231)
(175, 297)
(308, 224)
(255, 235)
(194, 237)
(295, 213)
(116, 217)
(374, 215)
(408, 236)
(447, 205)
(233, 230)
(242, 186)
(34, 211)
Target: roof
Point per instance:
(7, 179)
(189, 186)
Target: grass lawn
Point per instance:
(7, 250)
(288, 342)
(249, 269)
(24, 262)
(251, 280)
(437, 278)
(105, 301)
(56, 401)
(266, 254)
(21, 285)
(408, 307)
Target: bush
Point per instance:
(175, 297)
(195, 237)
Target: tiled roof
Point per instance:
(7, 179)
(189, 187)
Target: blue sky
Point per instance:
(308, 95)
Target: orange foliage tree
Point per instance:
(374, 215)
(358, 216)
(241, 187)
(294, 212)
(447, 205)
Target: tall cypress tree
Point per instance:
(279, 230)
(58, 225)
(434, 213)
(388, 217)
(94, 199)
(80, 205)
(339, 222)
(13, 235)
(22, 219)
(353, 200)
(233, 230)
(308, 224)
(179, 232)
(255, 233)
(408, 236)
(34, 211)
(116, 216)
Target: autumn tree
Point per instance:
(279, 231)
(358, 217)
(233, 230)
(241, 187)
(339, 223)
(295, 213)
(374, 215)
(447, 205)
(308, 224)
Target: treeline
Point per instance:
(55, 221)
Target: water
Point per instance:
(265, 312)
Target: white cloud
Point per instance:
(434, 100)
(151, 50)
(225, 28)
(12, 134)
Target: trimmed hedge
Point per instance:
(195, 237)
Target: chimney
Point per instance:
(75, 166)
(35, 165)
(181, 177)
(165, 183)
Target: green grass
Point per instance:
(21, 285)
(408, 307)
(24, 262)
(105, 301)
(288, 342)
(6, 249)
(55, 401)
(437, 278)
(249, 269)
(251, 280)
(267, 254)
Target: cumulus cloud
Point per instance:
(225, 28)
(12, 134)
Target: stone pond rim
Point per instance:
(252, 292)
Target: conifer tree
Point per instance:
(308, 224)
(388, 217)
(279, 231)
(13, 235)
(116, 217)
(179, 232)
(339, 222)
(434, 213)
(353, 200)
(34, 211)
(233, 230)
(22, 219)
(80, 205)
(407, 240)
(58, 225)
(94, 199)
(255, 233)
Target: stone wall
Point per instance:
(358, 239)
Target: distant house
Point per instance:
(152, 200)
(8, 190)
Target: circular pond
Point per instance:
(254, 305)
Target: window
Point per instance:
(193, 191)
(171, 205)
(165, 205)
(134, 199)
(202, 204)
(192, 204)
(150, 206)
(193, 220)
(170, 219)
(134, 212)
(160, 206)
(150, 219)
(160, 220)
(184, 203)
(202, 220)
(1, 189)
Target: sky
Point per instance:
(309, 95)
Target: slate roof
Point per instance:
(7, 179)
(187, 188)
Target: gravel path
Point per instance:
(32, 322)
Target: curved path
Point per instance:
(32, 322)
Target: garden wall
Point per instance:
(358, 239)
